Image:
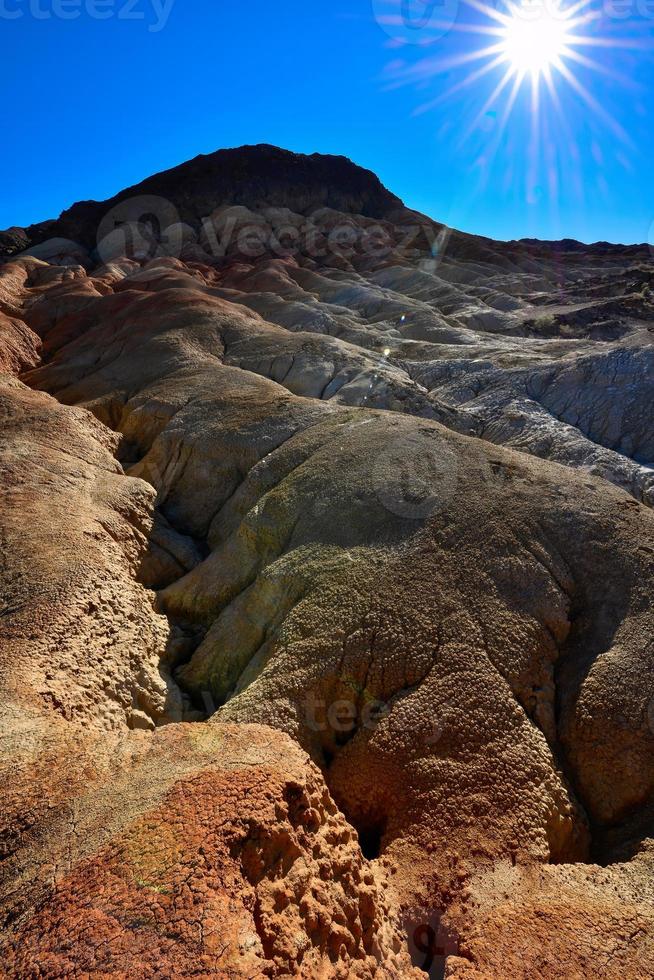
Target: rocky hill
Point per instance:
(325, 605)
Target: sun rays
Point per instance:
(540, 44)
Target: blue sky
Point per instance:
(92, 105)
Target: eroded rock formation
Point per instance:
(327, 634)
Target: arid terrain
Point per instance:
(326, 620)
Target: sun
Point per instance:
(538, 44)
(535, 38)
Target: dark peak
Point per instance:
(264, 175)
(252, 176)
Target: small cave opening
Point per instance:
(621, 842)
(370, 825)
(370, 838)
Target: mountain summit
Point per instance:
(251, 176)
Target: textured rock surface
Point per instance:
(327, 635)
(99, 647)
(193, 851)
(196, 852)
